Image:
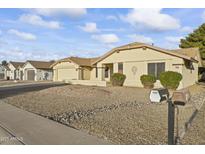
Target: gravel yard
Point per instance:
(121, 115)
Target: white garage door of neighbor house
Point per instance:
(67, 74)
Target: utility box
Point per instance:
(181, 97)
(158, 95)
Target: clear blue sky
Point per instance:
(46, 34)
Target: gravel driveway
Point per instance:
(120, 114)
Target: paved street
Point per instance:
(10, 90)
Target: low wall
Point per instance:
(87, 82)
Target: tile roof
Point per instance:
(6, 67)
(141, 45)
(17, 64)
(40, 64)
(83, 61)
(191, 52)
(79, 61)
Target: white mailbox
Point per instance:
(158, 95)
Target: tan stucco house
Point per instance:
(37, 70)
(133, 60)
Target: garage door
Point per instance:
(66, 74)
(30, 75)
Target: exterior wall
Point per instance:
(139, 58)
(93, 74)
(18, 73)
(2, 72)
(190, 75)
(12, 71)
(7, 73)
(86, 73)
(64, 76)
(41, 74)
(2, 69)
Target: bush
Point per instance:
(170, 79)
(148, 80)
(117, 79)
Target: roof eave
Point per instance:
(141, 46)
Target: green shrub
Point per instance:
(117, 79)
(170, 79)
(148, 80)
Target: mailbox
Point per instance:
(158, 95)
(181, 97)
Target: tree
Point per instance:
(195, 39)
(4, 63)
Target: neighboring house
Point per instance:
(133, 60)
(2, 72)
(6, 72)
(73, 68)
(37, 70)
(14, 70)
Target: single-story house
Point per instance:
(37, 70)
(13, 71)
(7, 72)
(73, 68)
(2, 72)
(133, 60)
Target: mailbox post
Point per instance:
(171, 113)
(180, 97)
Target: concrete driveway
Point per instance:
(33, 129)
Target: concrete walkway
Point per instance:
(34, 129)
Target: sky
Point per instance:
(52, 34)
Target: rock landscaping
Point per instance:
(121, 115)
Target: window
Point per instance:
(156, 69)
(120, 67)
(96, 72)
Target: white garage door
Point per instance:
(67, 74)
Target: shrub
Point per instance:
(170, 79)
(148, 80)
(117, 79)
